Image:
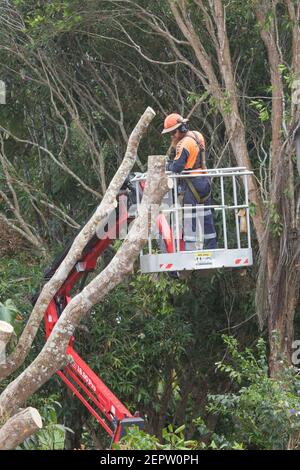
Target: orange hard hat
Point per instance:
(173, 121)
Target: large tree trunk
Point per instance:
(282, 280)
(280, 244)
(278, 282)
(280, 323)
(53, 355)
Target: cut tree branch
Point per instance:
(107, 205)
(19, 427)
(6, 331)
(53, 355)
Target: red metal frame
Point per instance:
(111, 414)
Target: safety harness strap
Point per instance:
(200, 160)
(199, 199)
(198, 164)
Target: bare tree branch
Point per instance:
(107, 204)
(53, 355)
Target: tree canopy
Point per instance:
(77, 76)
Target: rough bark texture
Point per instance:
(277, 290)
(278, 283)
(53, 356)
(19, 427)
(6, 330)
(279, 277)
(107, 204)
(268, 36)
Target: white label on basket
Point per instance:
(203, 257)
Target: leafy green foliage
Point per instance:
(153, 341)
(264, 412)
(212, 440)
(8, 311)
(173, 439)
(19, 279)
(138, 440)
(149, 342)
(262, 109)
(52, 435)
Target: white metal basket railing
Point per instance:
(230, 196)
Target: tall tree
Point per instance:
(202, 36)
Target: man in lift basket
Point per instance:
(189, 149)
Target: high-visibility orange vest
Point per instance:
(190, 144)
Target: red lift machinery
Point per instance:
(111, 414)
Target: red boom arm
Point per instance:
(112, 415)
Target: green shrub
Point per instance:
(173, 439)
(263, 412)
(52, 435)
